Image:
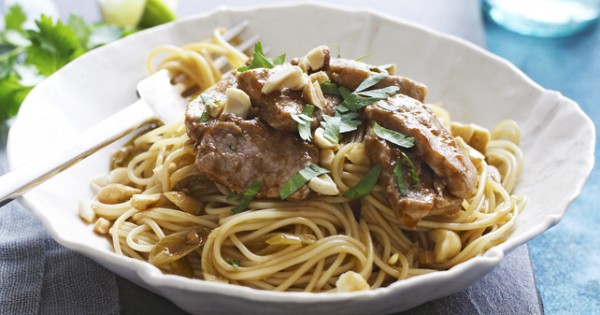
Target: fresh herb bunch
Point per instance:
(28, 56)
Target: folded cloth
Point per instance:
(39, 276)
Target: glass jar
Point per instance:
(543, 18)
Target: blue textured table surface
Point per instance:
(565, 258)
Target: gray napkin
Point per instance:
(38, 276)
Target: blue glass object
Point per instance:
(543, 18)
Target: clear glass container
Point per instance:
(543, 18)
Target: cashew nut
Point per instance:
(323, 185)
(290, 77)
(322, 142)
(351, 281)
(116, 193)
(447, 244)
(101, 226)
(144, 202)
(327, 156)
(238, 102)
(313, 94)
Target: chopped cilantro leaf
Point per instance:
(393, 136)
(399, 177)
(366, 184)
(370, 81)
(329, 88)
(259, 60)
(233, 197)
(233, 262)
(412, 170)
(249, 194)
(300, 179)
(304, 122)
(332, 128)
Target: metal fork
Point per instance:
(159, 100)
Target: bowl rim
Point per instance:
(491, 258)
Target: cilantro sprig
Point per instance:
(27, 56)
(259, 60)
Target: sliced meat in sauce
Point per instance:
(433, 142)
(275, 108)
(350, 74)
(194, 110)
(428, 197)
(235, 152)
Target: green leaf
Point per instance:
(14, 18)
(329, 88)
(53, 46)
(363, 57)
(380, 93)
(259, 60)
(249, 194)
(355, 102)
(279, 60)
(344, 92)
(204, 117)
(370, 81)
(366, 184)
(399, 177)
(412, 170)
(400, 174)
(383, 68)
(81, 29)
(103, 34)
(332, 128)
(12, 94)
(16, 39)
(234, 197)
(300, 179)
(349, 120)
(233, 262)
(304, 121)
(393, 136)
(6, 65)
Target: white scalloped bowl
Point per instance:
(474, 85)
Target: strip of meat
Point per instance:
(350, 74)
(195, 109)
(433, 142)
(275, 108)
(235, 152)
(425, 199)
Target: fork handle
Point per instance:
(20, 180)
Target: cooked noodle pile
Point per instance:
(292, 245)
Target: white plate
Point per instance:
(475, 86)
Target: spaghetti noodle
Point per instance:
(319, 244)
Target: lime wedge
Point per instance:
(126, 13)
(156, 12)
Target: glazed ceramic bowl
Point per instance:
(474, 85)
